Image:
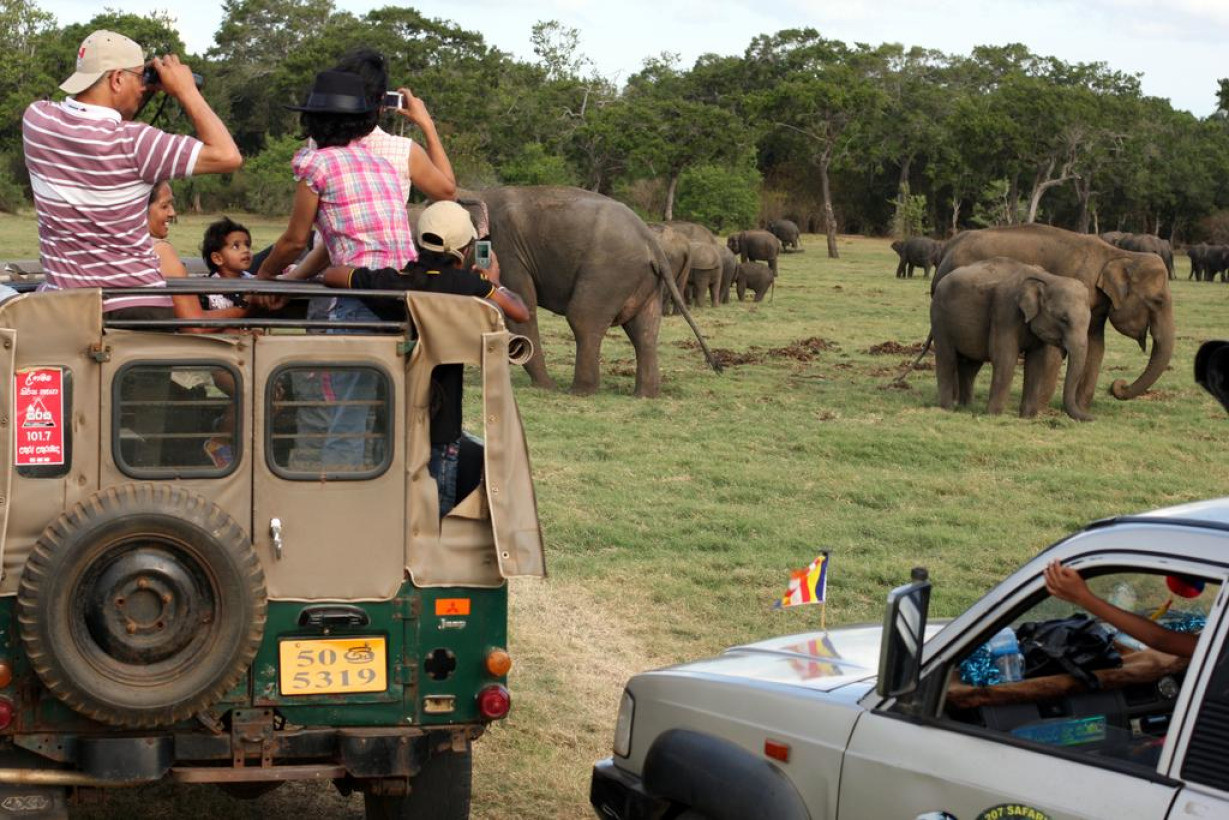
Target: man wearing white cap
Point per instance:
(446, 244)
(92, 169)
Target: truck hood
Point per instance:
(817, 660)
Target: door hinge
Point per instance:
(100, 352)
(407, 609)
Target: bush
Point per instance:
(533, 166)
(647, 197)
(266, 178)
(721, 199)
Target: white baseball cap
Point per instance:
(445, 227)
(101, 52)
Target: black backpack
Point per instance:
(1077, 646)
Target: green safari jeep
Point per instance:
(223, 559)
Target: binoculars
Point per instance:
(150, 76)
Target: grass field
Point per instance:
(672, 524)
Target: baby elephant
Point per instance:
(754, 275)
(993, 310)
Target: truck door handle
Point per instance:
(275, 530)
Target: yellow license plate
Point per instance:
(332, 666)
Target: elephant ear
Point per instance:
(1030, 298)
(1115, 281)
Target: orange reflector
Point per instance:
(777, 751)
(498, 662)
(6, 674)
(452, 606)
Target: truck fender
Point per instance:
(719, 779)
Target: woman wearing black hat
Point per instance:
(354, 199)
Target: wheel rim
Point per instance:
(145, 606)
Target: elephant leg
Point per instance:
(926, 270)
(966, 371)
(642, 329)
(900, 270)
(773, 264)
(1092, 365)
(742, 290)
(589, 335)
(536, 366)
(945, 374)
(714, 291)
(759, 294)
(1003, 358)
(910, 272)
(1041, 366)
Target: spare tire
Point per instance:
(142, 605)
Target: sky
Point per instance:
(1177, 45)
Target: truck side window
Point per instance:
(176, 420)
(1126, 718)
(331, 422)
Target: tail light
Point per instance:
(6, 674)
(498, 662)
(6, 713)
(494, 702)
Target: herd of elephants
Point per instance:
(1031, 290)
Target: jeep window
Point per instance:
(176, 420)
(1126, 719)
(332, 421)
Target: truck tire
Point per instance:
(440, 791)
(142, 605)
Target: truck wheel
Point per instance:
(142, 605)
(440, 791)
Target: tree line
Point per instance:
(839, 137)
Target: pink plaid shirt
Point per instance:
(362, 214)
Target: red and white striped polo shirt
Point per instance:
(91, 173)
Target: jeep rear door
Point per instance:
(328, 510)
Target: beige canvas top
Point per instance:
(491, 535)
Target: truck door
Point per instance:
(328, 515)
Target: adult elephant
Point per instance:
(787, 231)
(590, 259)
(1128, 288)
(705, 276)
(1198, 256)
(994, 310)
(756, 246)
(1144, 243)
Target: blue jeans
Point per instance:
(345, 447)
(443, 468)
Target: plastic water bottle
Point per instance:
(1005, 654)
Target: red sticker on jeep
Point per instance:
(38, 399)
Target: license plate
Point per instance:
(331, 666)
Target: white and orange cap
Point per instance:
(101, 52)
(445, 227)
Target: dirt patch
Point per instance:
(803, 350)
(1156, 395)
(891, 348)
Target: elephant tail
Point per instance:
(662, 268)
(930, 337)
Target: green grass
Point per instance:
(672, 524)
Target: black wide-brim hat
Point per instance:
(336, 92)
(1212, 370)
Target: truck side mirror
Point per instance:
(904, 630)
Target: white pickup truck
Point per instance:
(831, 725)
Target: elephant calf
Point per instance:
(993, 310)
(917, 251)
(756, 276)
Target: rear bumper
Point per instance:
(358, 753)
(619, 795)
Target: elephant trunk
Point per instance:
(1077, 355)
(1162, 328)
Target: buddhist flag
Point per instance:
(807, 586)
